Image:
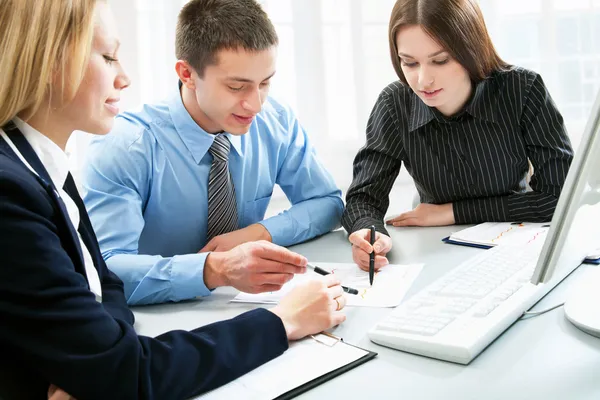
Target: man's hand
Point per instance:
(230, 240)
(55, 393)
(312, 307)
(426, 215)
(254, 267)
(361, 248)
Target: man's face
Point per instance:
(232, 91)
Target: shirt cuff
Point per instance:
(366, 222)
(483, 209)
(279, 230)
(187, 276)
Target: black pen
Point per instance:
(321, 271)
(372, 257)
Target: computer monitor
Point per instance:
(575, 228)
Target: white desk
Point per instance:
(541, 358)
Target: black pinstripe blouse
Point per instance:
(477, 159)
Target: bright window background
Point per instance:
(334, 61)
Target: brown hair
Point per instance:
(205, 27)
(457, 25)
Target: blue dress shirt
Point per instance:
(146, 190)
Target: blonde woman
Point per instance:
(65, 323)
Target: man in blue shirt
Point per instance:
(177, 187)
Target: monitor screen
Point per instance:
(575, 229)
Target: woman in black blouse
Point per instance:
(465, 124)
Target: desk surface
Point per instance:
(540, 358)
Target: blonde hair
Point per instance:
(45, 46)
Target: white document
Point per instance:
(495, 233)
(389, 285)
(304, 361)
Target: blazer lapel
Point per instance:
(85, 225)
(72, 241)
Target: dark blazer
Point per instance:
(52, 329)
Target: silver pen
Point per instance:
(321, 271)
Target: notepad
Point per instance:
(491, 234)
(495, 233)
(390, 285)
(306, 364)
(594, 258)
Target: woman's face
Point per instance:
(438, 79)
(95, 104)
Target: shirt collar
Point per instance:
(481, 105)
(196, 139)
(53, 158)
(421, 114)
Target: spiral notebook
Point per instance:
(491, 234)
(306, 364)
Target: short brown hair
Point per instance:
(457, 25)
(205, 27)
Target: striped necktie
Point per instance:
(222, 208)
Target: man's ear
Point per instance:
(185, 72)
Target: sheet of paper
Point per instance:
(495, 233)
(304, 361)
(389, 285)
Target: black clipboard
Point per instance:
(328, 376)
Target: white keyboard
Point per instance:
(458, 315)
